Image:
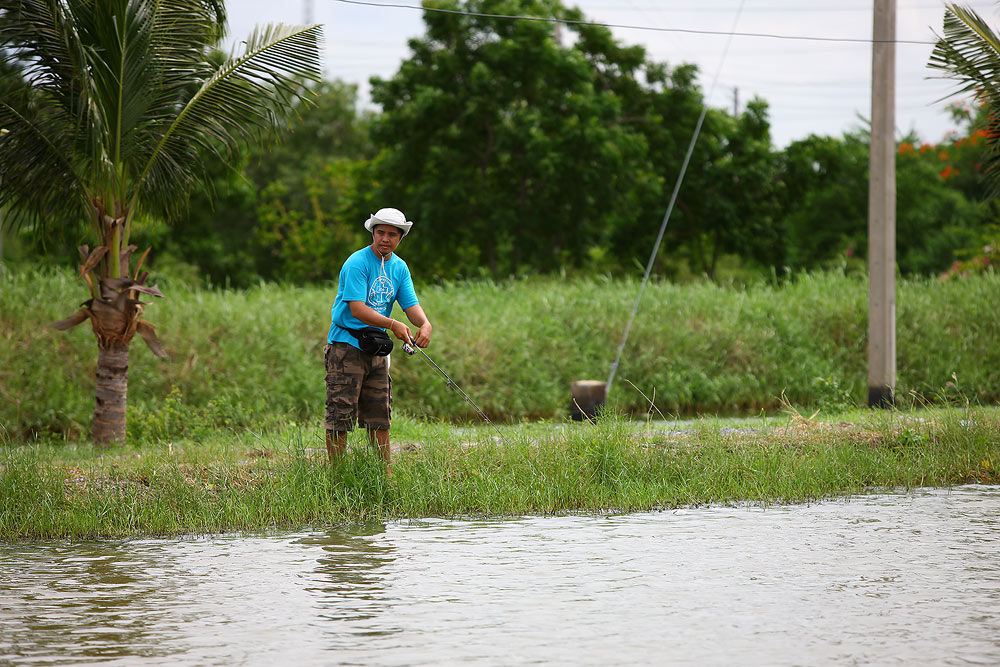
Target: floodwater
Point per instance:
(909, 578)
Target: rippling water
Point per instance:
(891, 579)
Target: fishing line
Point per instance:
(673, 200)
(413, 349)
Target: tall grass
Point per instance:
(253, 358)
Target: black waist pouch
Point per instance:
(372, 340)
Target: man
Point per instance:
(358, 387)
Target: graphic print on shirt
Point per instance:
(381, 292)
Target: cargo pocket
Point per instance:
(389, 408)
(341, 404)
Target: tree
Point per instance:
(114, 104)
(935, 217)
(502, 142)
(824, 199)
(519, 145)
(728, 201)
(824, 194)
(304, 226)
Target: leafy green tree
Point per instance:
(728, 201)
(934, 218)
(309, 244)
(823, 200)
(305, 225)
(503, 144)
(517, 145)
(112, 106)
(965, 171)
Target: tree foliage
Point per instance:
(522, 145)
(510, 148)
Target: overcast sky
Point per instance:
(812, 87)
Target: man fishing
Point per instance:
(358, 386)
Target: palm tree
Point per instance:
(969, 52)
(110, 107)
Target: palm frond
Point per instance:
(249, 96)
(38, 176)
(110, 104)
(969, 53)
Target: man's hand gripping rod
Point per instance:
(411, 349)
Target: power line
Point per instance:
(759, 9)
(623, 26)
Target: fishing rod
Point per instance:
(413, 349)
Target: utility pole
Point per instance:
(882, 211)
(736, 102)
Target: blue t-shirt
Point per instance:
(366, 278)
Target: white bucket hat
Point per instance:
(389, 216)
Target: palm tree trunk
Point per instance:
(112, 392)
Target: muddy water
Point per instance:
(891, 579)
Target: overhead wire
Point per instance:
(625, 26)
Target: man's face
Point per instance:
(385, 238)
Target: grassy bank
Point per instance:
(281, 480)
(252, 358)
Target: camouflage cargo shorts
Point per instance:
(358, 389)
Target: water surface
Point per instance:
(908, 578)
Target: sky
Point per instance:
(811, 86)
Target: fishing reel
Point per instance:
(409, 349)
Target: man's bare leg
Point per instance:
(336, 444)
(379, 438)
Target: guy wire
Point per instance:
(673, 200)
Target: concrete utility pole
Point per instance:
(882, 211)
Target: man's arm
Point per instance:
(369, 316)
(416, 315)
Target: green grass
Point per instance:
(281, 480)
(252, 359)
